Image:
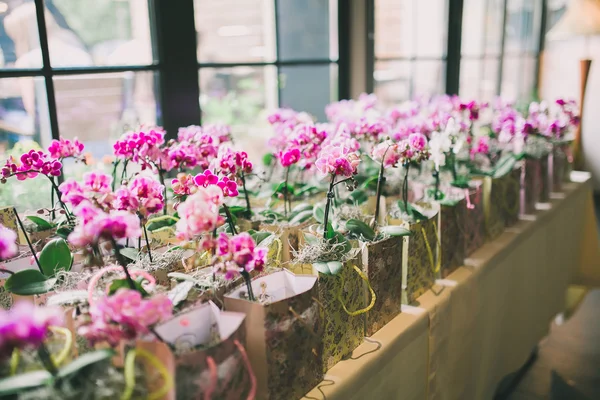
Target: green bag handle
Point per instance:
(373, 296)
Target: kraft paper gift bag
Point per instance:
(501, 202)
(158, 364)
(209, 354)
(545, 179)
(452, 218)
(531, 175)
(382, 264)
(8, 218)
(344, 306)
(291, 239)
(284, 333)
(561, 161)
(474, 227)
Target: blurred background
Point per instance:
(93, 69)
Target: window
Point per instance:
(410, 48)
(86, 70)
(81, 79)
(481, 48)
(522, 30)
(261, 54)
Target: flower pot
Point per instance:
(501, 202)
(474, 222)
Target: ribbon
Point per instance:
(129, 374)
(133, 273)
(56, 360)
(242, 350)
(373, 297)
(212, 366)
(62, 356)
(435, 266)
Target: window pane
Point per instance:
(431, 28)
(22, 105)
(528, 92)
(394, 29)
(100, 32)
(18, 35)
(308, 88)
(99, 108)
(392, 81)
(522, 25)
(473, 30)
(429, 78)
(470, 78)
(237, 95)
(511, 78)
(304, 29)
(494, 27)
(490, 79)
(235, 30)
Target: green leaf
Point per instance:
(330, 231)
(56, 256)
(298, 208)
(181, 277)
(85, 361)
(271, 215)
(322, 268)
(319, 214)
(334, 267)
(461, 182)
(124, 284)
(130, 253)
(338, 238)
(311, 239)
(301, 217)
(394, 230)
(180, 292)
(307, 190)
(358, 197)
(236, 211)
(22, 382)
(260, 236)
(64, 232)
(41, 223)
(504, 166)
(281, 189)
(370, 183)
(412, 211)
(29, 282)
(360, 229)
(161, 222)
(268, 159)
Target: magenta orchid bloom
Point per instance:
(8, 243)
(237, 254)
(199, 213)
(338, 161)
(64, 148)
(26, 326)
(31, 164)
(125, 315)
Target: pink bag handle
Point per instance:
(212, 366)
(468, 197)
(99, 274)
(252, 393)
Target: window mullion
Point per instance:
(47, 68)
(178, 66)
(454, 42)
(502, 42)
(540, 48)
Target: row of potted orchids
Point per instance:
(189, 270)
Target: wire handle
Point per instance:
(373, 296)
(129, 374)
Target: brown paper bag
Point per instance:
(283, 333)
(530, 185)
(451, 227)
(210, 354)
(382, 263)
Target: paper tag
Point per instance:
(412, 310)
(446, 282)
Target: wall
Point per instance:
(560, 77)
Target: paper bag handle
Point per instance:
(212, 366)
(242, 350)
(373, 296)
(134, 273)
(435, 266)
(470, 205)
(56, 360)
(129, 374)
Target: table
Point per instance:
(459, 339)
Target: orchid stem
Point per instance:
(248, 281)
(405, 189)
(436, 194)
(114, 173)
(380, 184)
(147, 241)
(121, 262)
(327, 205)
(229, 219)
(46, 359)
(286, 192)
(37, 262)
(248, 210)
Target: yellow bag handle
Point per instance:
(129, 374)
(56, 360)
(373, 296)
(435, 266)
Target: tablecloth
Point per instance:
(459, 339)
